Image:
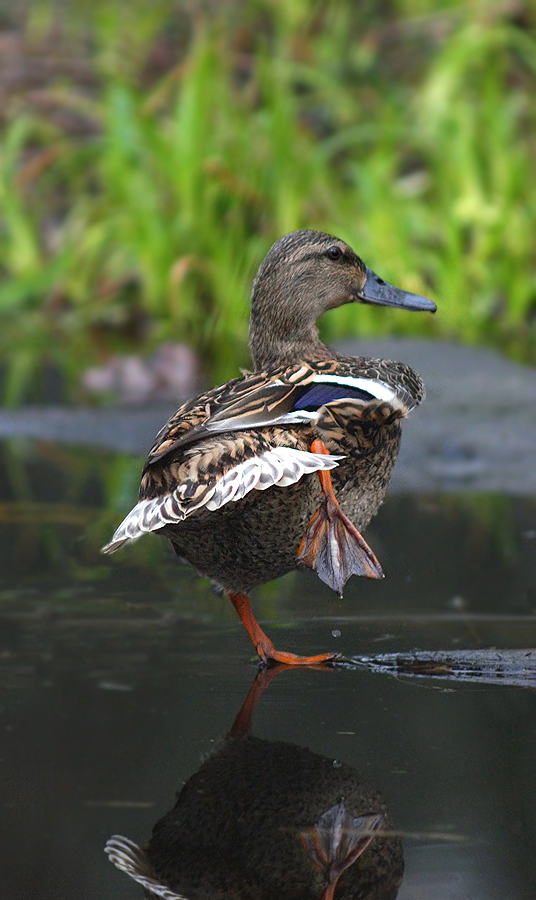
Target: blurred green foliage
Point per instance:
(154, 151)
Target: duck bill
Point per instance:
(381, 293)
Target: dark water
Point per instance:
(118, 677)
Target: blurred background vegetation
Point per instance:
(151, 152)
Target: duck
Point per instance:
(284, 466)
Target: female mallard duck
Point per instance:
(233, 477)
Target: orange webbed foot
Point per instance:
(332, 546)
(270, 656)
(263, 645)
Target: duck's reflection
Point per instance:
(262, 820)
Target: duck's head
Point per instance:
(304, 274)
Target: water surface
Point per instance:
(119, 676)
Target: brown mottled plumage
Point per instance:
(233, 477)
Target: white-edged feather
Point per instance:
(223, 421)
(131, 859)
(277, 467)
(378, 389)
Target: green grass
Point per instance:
(135, 207)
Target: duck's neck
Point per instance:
(271, 345)
(285, 305)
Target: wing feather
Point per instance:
(283, 398)
(255, 401)
(279, 466)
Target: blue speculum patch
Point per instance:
(319, 394)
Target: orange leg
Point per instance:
(332, 546)
(263, 644)
(318, 446)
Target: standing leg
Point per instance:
(263, 644)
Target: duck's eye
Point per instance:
(334, 252)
